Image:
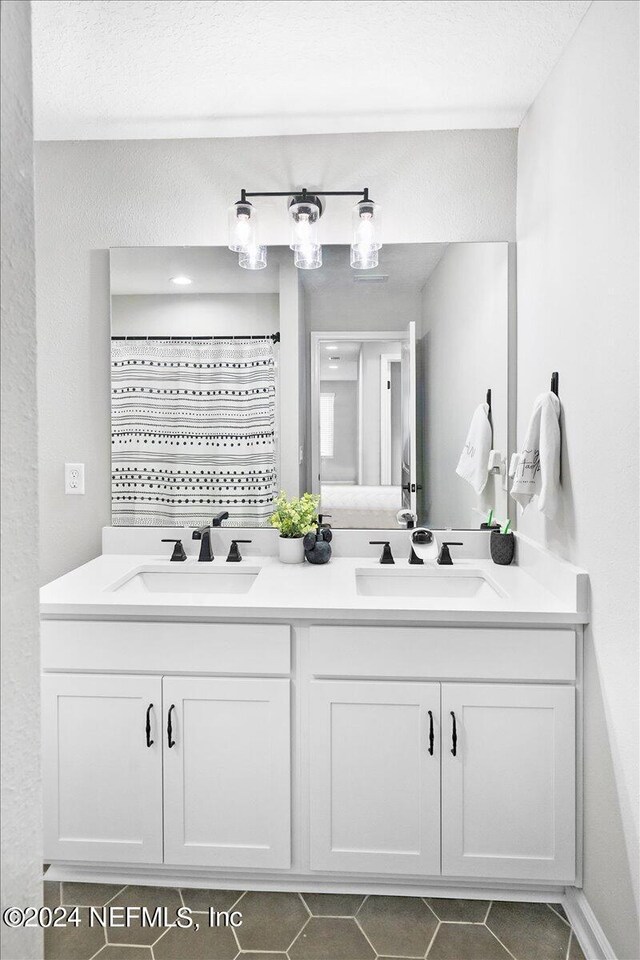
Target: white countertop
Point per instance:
(303, 591)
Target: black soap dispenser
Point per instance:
(317, 543)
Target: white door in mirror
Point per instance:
(74, 478)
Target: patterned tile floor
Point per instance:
(291, 926)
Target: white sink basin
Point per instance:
(448, 583)
(188, 580)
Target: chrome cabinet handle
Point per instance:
(430, 732)
(454, 735)
(147, 728)
(170, 741)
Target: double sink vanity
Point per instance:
(352, 726)
(225, 719)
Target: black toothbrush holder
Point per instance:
(502, 546)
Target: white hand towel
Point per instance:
(473, 465)
(538, 470)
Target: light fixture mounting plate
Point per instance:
(306, 198)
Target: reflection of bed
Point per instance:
(351, 505)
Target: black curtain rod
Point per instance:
(275, 337)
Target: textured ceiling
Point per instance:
(112, 69)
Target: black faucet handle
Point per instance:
(219, 517)
(178, 550)
(414, 559)
(444, 557)
(387, 556)
(234, 552)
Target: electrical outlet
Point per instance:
(74, 478)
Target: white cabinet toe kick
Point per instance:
(336, 758)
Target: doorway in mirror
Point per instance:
(363, 425)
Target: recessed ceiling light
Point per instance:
(181, 280)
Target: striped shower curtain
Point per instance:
(193, 431)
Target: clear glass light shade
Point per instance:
(304, 224)
(243, 225)
(363, 256)
(308, 257)
(254, 258)
(365, 219)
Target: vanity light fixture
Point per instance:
(253, 258)
(243, 226)
(181, 280)
(305, 210)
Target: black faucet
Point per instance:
(234, 553)
(219, 517)
(178, 550)
(204, 536)
(444, 557)
(387, 556)
(414, 559)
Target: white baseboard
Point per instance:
(162, 875)
(588, 931)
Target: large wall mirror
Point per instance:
(228, 384)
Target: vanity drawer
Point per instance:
(128, 647)
(451, 653)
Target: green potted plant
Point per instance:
(293, 518)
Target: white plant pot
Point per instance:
(291, 549)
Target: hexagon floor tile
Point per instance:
(466, 941)
(400, 925)
(529, 931)
(212, 943)
(270, 921)
(332, 904)
(337, 938)
(138, 933)
(312, 926)
(202, 900)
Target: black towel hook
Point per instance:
(489, 400)
(554, 383)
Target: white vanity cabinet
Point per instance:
(102, 775)
(227, 778)
(167, 769)
(374, 764)
(508, 791)
(276, 753)
(492, 796)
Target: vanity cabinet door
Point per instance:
(102, 767)
(508, 792)
(227, 772)
(375, 777)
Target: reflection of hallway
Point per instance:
(353, 505)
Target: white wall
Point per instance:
(578, 314)
(343, 465)
(371, 405)
(463, 352)
(21, 799)
(194, 314)
(93, 195)
(361, 308)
